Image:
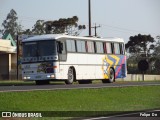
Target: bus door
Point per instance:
(61, 46)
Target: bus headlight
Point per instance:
(25, 78)
(52, 76)
(48, 76)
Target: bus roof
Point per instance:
(58, 36)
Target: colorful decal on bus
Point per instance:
(45, 67)
(115, 61)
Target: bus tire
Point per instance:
(71, 76)
(111, 77)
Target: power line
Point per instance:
(116, 28)
(95, 28)
(126, 29)
(122, 29)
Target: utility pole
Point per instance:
(95, 28)
(89, 14)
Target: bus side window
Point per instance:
(117, 48)
(80, 46)
(99, 47)
(71, 46)
(90, 46)
(63, 47)
(63, 55)
(108, 48)
(122, 49)
(60, 47)
(121, 45)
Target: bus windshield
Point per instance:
(47, 48)
(39, 49)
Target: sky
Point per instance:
(117, 18)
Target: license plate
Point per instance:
(28, 72)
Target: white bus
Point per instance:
(70, 58)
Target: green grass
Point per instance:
(21, 82)
(15, 82)
(105, 99)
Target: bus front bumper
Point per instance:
(41, 76)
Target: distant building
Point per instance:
(7, 58)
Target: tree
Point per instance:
(64, 25)
(10, 25)
(156, 56)
(140, 43)
(156, 52)
(139, 46)
(39, 28)
(27, 32)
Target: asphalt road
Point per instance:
(143, 115)
(14, 88)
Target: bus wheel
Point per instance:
(71, 76)
(111, 77)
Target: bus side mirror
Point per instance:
(60, 47)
